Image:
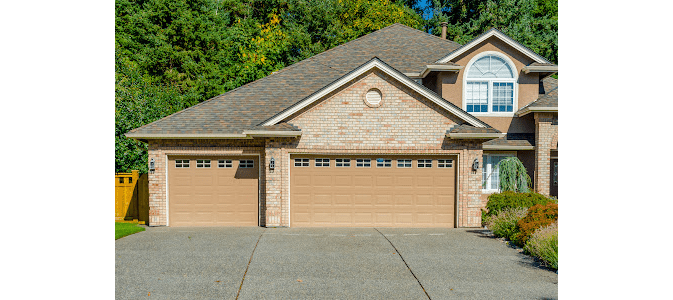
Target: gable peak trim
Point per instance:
(493, 32)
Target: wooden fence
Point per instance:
(132, 197)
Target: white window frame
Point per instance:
(514, 81)
(404, 163)
(342, 162)
(366, 162)
(182, 163)
(385, 163)
(301, 162)
(487, 166)
(322, 162)
(225, 163)
(246, 163)
(202, 163)
(445, 163)
(424, 163)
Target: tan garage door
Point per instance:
(368, 191)
(213, 191)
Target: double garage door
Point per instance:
(368, 191)
(325, 191)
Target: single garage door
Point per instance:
(368, 191)
(213, 191)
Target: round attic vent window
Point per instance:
(373, 98)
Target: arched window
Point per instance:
(489, 85)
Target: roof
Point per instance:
(546, 101)
(512, 141)
(403, 48)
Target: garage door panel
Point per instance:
(215, 196)
(371, 196)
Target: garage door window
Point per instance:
(404, 163)
(225, 163)
(425, 163)
(444, 163)
(383, 163)
(363, 163)
(203, 163)
(322, 162)
(343, 162)
(301, 162)
(246, 163)
(182, 163)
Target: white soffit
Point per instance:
(509, 41)
(374, 63)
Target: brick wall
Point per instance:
(546, 127)
(158, 149)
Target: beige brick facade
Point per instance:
(546, 139)
(341, 123)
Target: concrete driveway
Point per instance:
(325, 263)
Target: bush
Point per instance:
(543, 244)
(503, 224)
(500, 201)
(538, 216)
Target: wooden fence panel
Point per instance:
(131, 197)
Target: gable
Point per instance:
(377, 64)
(495, 34)
(403, 118)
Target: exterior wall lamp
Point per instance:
(152, 165)
(272, 164)
(475, 164)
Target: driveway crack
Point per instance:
(405, 263)
(248, 266)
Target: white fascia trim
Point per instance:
(429, 68)
(264, 133)
(509, 41)
(374, 63)
(188, 136)
(540, 69)
(528, 110)
(475, 135)
(503, 147)
(413, 75)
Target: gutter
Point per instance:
(458, 135)
(506, 147)
(539, 69)
(429, 68)
(246, 135)
(528, 110)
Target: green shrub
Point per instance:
(500, 201)
(503, 224)
(538, 216)
(543, 244)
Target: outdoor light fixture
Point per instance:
(475, 164)
(152, 165)
(272, 164)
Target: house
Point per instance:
(398, 128)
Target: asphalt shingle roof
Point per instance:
(404, 48)
(548, 94)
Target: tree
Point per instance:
(513, 176)
(533, 23)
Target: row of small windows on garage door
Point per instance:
(367, 162)
(222, 163)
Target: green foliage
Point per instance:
(533, 23)
(538, 216)
(513, 175)
(503, 223)
(500, 201)
(124, 229)
(543, 244)
(170, 55)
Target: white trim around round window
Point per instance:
(514, 80)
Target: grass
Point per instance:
(124, 229)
